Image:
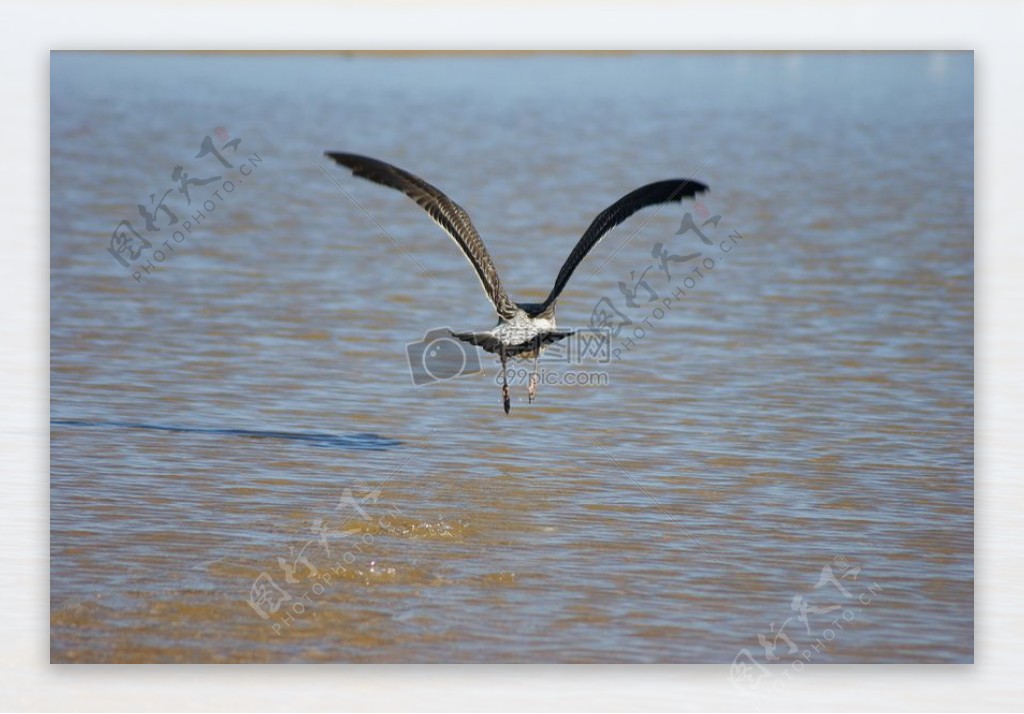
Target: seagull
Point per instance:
(523, 329)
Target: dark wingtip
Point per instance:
(344, 158)
(692, 187)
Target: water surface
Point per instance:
(789, 441)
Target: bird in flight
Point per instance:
(523, 329)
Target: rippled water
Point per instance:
(785, 445)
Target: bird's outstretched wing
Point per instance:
(649, 195)
(492, 344)
(445, 212)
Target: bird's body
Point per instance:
(523, 329)
(525, 332)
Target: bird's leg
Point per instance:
(531, 389)
(506, 395)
